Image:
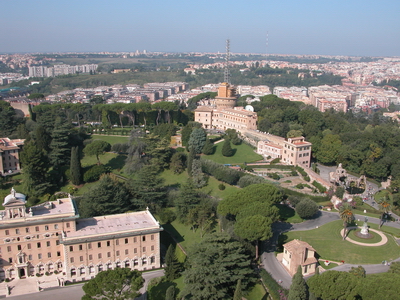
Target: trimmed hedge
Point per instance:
(274, 289)
(319, 186)
(221, 172)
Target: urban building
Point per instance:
(298, 253)
(9, 155)
(51, 237)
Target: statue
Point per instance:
(364, 229)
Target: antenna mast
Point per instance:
(227, 56)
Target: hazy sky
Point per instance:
(335, 27)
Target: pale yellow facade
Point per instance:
(9, 155)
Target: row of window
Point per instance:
(108, 243)
(100, 255)
(39, 256)
(29, 246)
(37, 229)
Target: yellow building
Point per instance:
(51, 237)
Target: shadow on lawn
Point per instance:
(117, 163)
(173, 232)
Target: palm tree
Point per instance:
(385, 205)
(347, 216)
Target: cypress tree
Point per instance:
(172, 265)
(208, 148)
(238, 291)
(298, 289)
(75, 167)
(227, 149)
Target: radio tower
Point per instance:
(227, 56)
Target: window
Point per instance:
(89, 246)
(19, 247)
(27, 230)
(30, 257)
(46, 227)
(71, 260)
(108, 243)
(10, 260)
(134, 239)
(48, 243)
(28, 246)
(152, 248)
(7, 232)
(126, 241)
(80, 258)
(39, 256)
(99, 245)
(57, 242)
(58, 253)
(8, 248)
(117, 253)
(55, 226)
(67, 225)
(49, 254)
(37, 228)
(117, 242)
(90, 257)
(152, 237)
(99, 255)
(144, 238)
(108, 254)
(71, 248)
(16, 231)
(80, 247)
(126, 251)
(135, 250)
(144, 249)
(38, 245)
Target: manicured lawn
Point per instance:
(376, 238)
(112, 139)
(183, 234)
(257, 293)
(329, 245)
(244, 153)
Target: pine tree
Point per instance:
(197, 140)
(298, 289)
(190, 159)
(208, 148)
(172, 265)
(75, 167)
(170, 293)
(59, 146)
(238, 292)
(198, 177)
(227, 149)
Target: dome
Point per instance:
(14, 196)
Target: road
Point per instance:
(75, 292)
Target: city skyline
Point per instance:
(348, 28)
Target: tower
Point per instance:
(226, 93)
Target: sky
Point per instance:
(309, 27)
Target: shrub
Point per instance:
(319, 186)
(307, 178)
(47, 273)
(306, 208)
(274, 176)
(293, 173)
(221, 186)
(299, 186)
(180, 149)
(294, 200)
(94, 173)
(275, 160)
(247, 180)
(7, 280)
(273, 287)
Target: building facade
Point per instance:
(51, 237)
(9, 155)
(298, 253)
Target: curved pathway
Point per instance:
(383, 241)
(271, 264)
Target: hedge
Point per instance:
(319, 186)
(274, 289)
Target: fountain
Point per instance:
(364, 233)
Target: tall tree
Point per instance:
(238, 295)
(347, 216)
(187, 199)
(75, 167)
(117, 284)
(226, 148)
(177, 164)
(172, 266)
(97, 148)
(208, 148)
(298, 289)
(59, 146)
(385, 205)
(42, 137)
(197, 140)
(215, 265)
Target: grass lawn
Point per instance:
(112, 139)
(183, 234)
(244, 153)
(257, 293)
(329, 245)
(375, 238)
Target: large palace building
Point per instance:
(224, 115)
(51, 237)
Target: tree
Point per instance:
(238, 295)
(8, 119)
(96, 148)
(306, 208)
(208, 148)
(329, 149)
(332, 285)
(117, 284)
(172, 266)
(170, 293)
(186, 200)
(190, 159)
(385, 204)
(227, 149)
(198, 177)
(108, 196)
(136, 157)
(75, 167)
(298, 289)
(215, 265)
(347, 216)
(34, 170)
(197, 140)
(358, 272)
(178, 161)
(42, 137)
